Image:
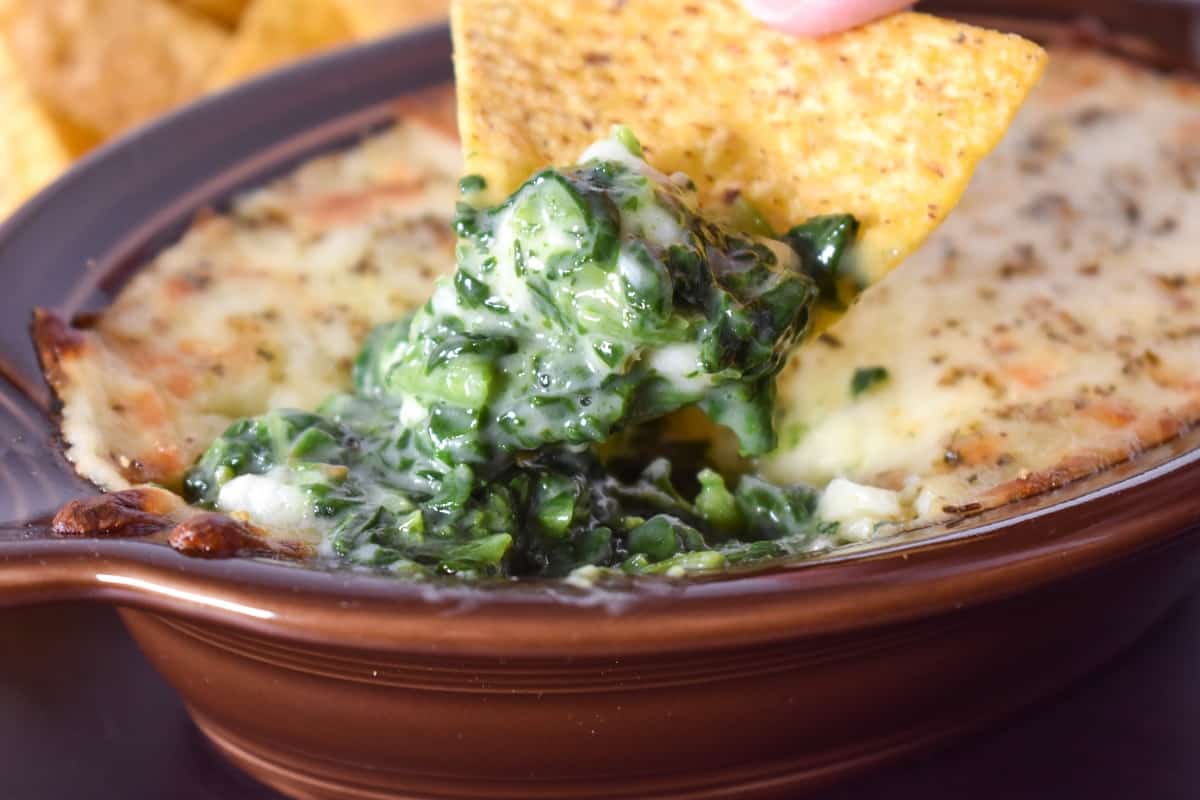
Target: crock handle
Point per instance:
(38, 570)
(35, 480)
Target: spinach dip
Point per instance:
(483, 435)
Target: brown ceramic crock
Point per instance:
(342, 685)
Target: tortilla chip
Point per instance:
(31, 153)
(109, 64)
(273, 32)
(885, 122)
(378, 17)
(227, 12)
(76, 137)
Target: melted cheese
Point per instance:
(858, 508)
(270, 502)
(1050, 327)
(263, 307)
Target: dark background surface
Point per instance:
(82, 715)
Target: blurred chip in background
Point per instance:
(272, 32)
(75, 72)
(110, 64)
(31, 152)
(227, 12)
(369, 18)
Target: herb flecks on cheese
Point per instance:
(1049, 329)
(262, 306)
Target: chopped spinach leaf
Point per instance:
(594, 299)
(866, 378)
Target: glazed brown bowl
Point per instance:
(338, 684)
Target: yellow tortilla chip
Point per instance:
(378, 17)
(885, 122)
(31, 154)
(109, 64)
(273, 32)
(75, 137)
(227, 12)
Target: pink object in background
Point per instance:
(820, 17)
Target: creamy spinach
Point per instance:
(594, 300)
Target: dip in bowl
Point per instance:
(339, 683)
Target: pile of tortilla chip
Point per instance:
(76, 72)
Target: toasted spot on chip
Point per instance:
(226, 12)
(885, 122)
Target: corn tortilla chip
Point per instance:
(377, 17)
(109, 64)
(885, 122)
(273, 32)
(75, 137)
(31, 153)
(227, 12)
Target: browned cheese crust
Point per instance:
(149, 511)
